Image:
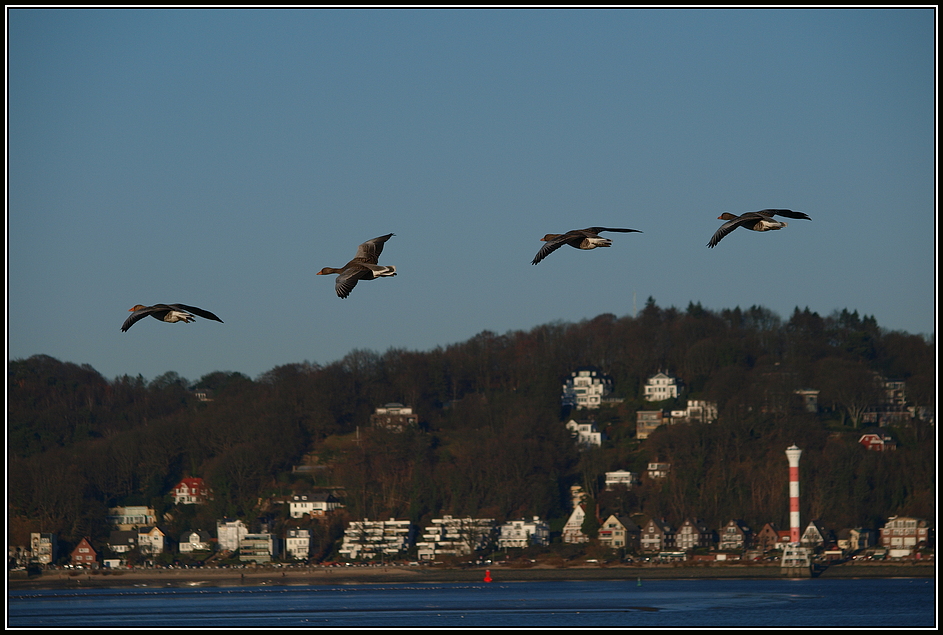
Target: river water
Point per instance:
(773, 603)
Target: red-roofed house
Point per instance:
(191, 491)
(877, 442)
(84, 554)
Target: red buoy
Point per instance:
(487, 575)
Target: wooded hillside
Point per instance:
(491, 440)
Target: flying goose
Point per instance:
(588, 238)
(760, 221)
(166, 313)
(363, 266)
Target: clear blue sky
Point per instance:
(219, 158)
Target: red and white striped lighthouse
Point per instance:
(793, 453)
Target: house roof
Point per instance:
(192, 482)
(661, 525)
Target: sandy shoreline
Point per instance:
(19, 581)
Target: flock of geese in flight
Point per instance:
(365, 264)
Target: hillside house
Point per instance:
(585, 434)
(657, 535)
(861, 538)
(891, 408)
(661, 386)
(573, 529)
(190, 491)
(191, 541)
(455, 536)
(894, 391)
(587, 387)
(314, 504)
(855, 539)
(298, 543)
(619, 532)
(658, 470)
(394, 417)
(371, 538)
(229, 532)
(261, 547)
(699, 411)
(153, 540)
(131, 517)
(524, 533)
(815, 535)
(734, 536)
(810, 399)
(120, 541)
(877, 441)
(768, 538)
(905, 532)
(84, 555)
(694, 533)
(44, 548)
(647, 420)
(621, 477)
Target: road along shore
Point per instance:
(262, 575)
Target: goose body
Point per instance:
(760, 221)
(588, 238)
(363, 266)
(167, 313)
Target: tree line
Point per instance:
(491, 440)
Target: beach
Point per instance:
(272, 575)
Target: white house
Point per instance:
(523, 533)
(152, 540)
(618, 532)
(229, 532)
(194, 541)
(586, 434)
(586, 388)
(298, 543)
(814, 535)
(621, 477)
(191, 491)
(658, 470)
(573, 529)
(701, 411)
(455, 536)
(395, 417)
(660, 387)
(313, 504)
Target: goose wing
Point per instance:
(596, 230)
(141, 313)
(370, 250)
(788, 213)
(195, 311)
(552, 245)
(730, 225)
(349, 277)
